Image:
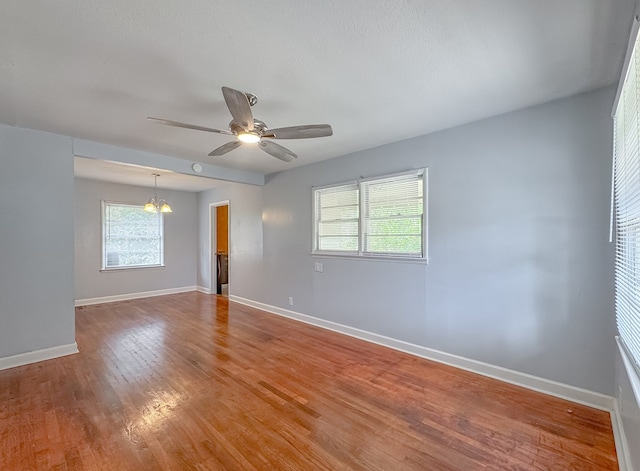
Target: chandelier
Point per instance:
(156, 204)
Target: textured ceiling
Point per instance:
(378, 71)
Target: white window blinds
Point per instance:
(337, 213)
(627, 210)
(392, 216)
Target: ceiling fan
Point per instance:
(249, 130)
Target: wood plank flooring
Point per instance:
(195, 382)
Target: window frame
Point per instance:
(625, 212)
(361, 254)
(103, 249)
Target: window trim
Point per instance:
(360, 254)
(624, 213)
(103, 239)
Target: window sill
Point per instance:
(373, 258)
(632, 374)
(130, 268)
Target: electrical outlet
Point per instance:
(290, 300)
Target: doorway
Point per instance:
(219, 248)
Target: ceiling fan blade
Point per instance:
(223, 149)
(277, 151)
(188, 126)
(239, 107)
(300, 132)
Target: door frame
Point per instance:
(213, 225)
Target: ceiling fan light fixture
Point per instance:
(249, 137)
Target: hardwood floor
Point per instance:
(191, 381)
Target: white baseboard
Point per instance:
(38, 355)
(622, 446)
(202, 289)
(128, 296)
(553, 388)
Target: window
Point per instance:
(626, 189)
(131, 237)
(337, 211)
(382, 217)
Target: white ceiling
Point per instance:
(377, 70)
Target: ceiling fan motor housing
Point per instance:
(258, 126)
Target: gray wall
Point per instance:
(36, 241)
(245, 238)
(180, 241)
(521, 273)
